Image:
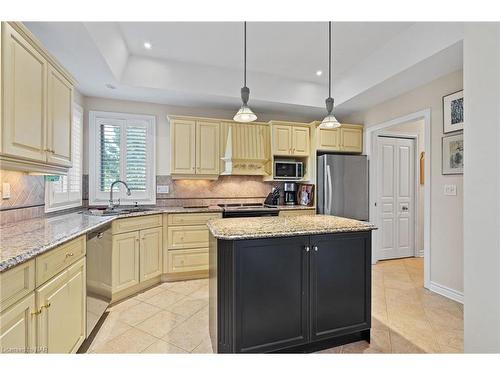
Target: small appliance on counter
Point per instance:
(290, 193)
(288, 170)
(273, 197)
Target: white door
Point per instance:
(396, 197)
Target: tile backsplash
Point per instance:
(28, 193)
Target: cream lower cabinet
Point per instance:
(300, 212)
(17, 327)
(186, 245)
(125, 261)
(137, 255)
(61, 311)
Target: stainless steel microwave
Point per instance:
(288, 170)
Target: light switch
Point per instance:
(5, 190)
(450, 189)
(162, 189)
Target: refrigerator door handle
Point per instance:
(330, 189)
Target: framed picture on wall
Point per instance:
(453, 112)
(453, 154)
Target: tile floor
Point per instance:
(173, 318)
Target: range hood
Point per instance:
(247, 150)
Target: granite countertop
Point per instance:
(264, 227)
(24, 240)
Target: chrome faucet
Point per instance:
(111, 204)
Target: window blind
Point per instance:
(110, 155)
(135, 168)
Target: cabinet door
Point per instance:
(300, 144)
(351, 139)
(207, 148)
(150, 260)
(59, 117)
(282, 140)
(17, 328)
(329, 139)
(24, 96)
(125, 261)
(61, 305)
(271, 278)
(183, 147)
(340, 284)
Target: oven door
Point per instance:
(287, 170)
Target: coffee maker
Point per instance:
(290, 193)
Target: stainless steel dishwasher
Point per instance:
(98, 275)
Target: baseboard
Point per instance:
(447, 292)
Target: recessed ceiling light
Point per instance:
(148, 45)
(319, 72)
(110, 86)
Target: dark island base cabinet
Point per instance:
(291, 294)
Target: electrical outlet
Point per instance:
(5, 190)
(450, 189)
(162, 189)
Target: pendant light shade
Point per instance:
(245, 114)
(329, 122)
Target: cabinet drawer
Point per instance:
(187, 260)
(187, 237)
(54, 261)
(136, 223)
(297, 212)
(192, 219)
(16, 284)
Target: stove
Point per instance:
(247, 210)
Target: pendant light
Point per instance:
(329, 122)
(245, 114)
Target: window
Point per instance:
(121, 147)
(67, 192)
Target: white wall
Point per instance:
(446, 211)
(482, 188)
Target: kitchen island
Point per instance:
(288, 284)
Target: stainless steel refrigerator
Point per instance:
(343, 186)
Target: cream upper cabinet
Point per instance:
(282, 140)
(24, 95)
(328, 139)
(347, 138)
(300, 141)
(59, 116)
(125, 260)
(183, 146)
(290, 140)
(61, 311)
(151, 251)
(351, 138)
(17, 327)
(37, 97)
(195, 148)
(207, 148)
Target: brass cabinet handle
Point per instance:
(39, 311)
(69, 255)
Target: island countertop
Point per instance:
(265, 227)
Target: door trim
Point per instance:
(370, 143)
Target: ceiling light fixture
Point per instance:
(245, 114)
(329, 122)
(319, 73)
(148, 45)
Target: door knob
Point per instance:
(307, 248)
(315, 248)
